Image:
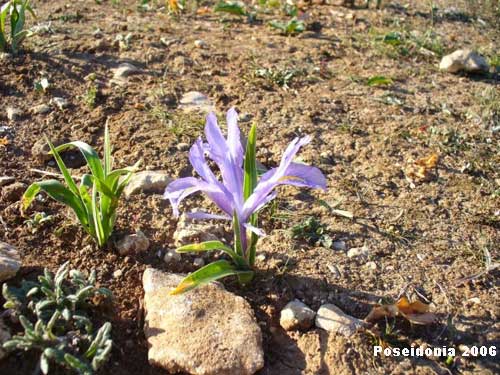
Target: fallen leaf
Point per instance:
(203, 10)
(4, 141)
(416, 312)
(421, 169)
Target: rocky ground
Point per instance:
(410, 151)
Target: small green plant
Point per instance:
(53, 314)
(292, 27)
(14, 11)
(42, 86)
(96, 199)
(379, 81)
(312, 231)
(37, 220)
(235, 8)
(280, 77)
(90, 97)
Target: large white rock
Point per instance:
(464, 60)
(147, 182)
(330, 318)
(206, 331)
(296, 315)
(10, 261)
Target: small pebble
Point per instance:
(198, 262)
(200, 44)
(171, 257)
(13, 114)
(117, 273)
(182, 146)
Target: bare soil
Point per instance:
(426, 236)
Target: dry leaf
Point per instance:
(4, 141)
(422, 169)
(203, 10)
(416, 312)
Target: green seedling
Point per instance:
(96, 200)
(13, 14)
(313, 232)
(292, 27)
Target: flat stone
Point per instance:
(358, 252)
(147, 182)
(133, 243)
(10, 261)
(13, 192)
(195, 101)
(296, 315)
(13, 114)
(123, 71)
(464, 60)
(339, 245)
(60, 103)
(5, 180)
(189, 231)
(4, 336)
(40, 109)
(206, 331)
(330, 318)
(40, 149)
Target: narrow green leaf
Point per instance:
(101, 239)
(204, 275)
(90, 156)
(211, 246)
(379, 81)
(250, 164)
(62, 167)
(237, 236)
(108, 162)
(60, 193)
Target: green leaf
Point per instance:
(60, 193)
(393, 38)
(231, 8)
(90, 156)
(204, 275)
(62, 167)
(250, 164)
(379, 81)
(108, 162)
(100, 235)
(211, 246)
(237, 236)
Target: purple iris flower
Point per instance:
(228, 155)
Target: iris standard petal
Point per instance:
(218, 149)
(233, 137)
(199, 163)
(219, 152)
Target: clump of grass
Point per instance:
(313, 232)
(276, 76)
(90, 96)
